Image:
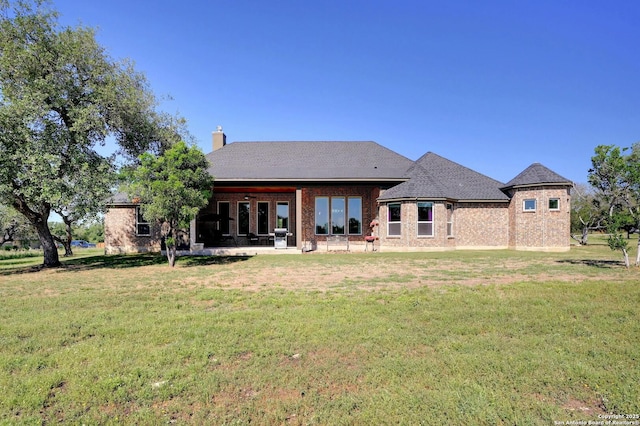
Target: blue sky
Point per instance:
(492, 85)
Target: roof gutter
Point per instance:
(303, 180)
(389, 200)
(533, 185)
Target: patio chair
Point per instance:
(253, 238)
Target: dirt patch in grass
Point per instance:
(375, 275)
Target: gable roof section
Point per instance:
(536, 175)
(323, 161)
(435, 177)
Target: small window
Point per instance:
(554, 204)
(142, 226)
(394, 223)
(449, 220)
(529, 205)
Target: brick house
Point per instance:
(325, 193)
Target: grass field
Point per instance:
(479, 337)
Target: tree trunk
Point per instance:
(51, 258)
(8, 233)
(585, 236)
(170, 243)
(626, 257)
(638, 253)
(171, 255)
(39, 221)
(69, 237)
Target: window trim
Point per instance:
(433, 214)
(355, 197)
(554, 209)
(524, 205)
(315, 215)
(140, 220)
(398, 222)
(342, 216)
(282, 203)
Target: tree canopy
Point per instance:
(61, 97)
(615, 175)
(171, 189)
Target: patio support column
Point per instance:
(299, 218)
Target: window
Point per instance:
(332, 213)
(263, 217)
(223, 215)
(243, 218)
(425, 219)
(529, 205)
(282, 212)
(355, 215)
(337, 215)
(554, 204)
(322, 215)
(449, 220)
(394, 224)
(142, 226)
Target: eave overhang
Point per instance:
(388, 200)
(534, 185)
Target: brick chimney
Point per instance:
(219, 138)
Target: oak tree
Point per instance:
(615, 174)
(61, 97)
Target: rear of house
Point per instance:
(314, 193)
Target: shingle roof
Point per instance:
(537, 174)
(433, 176)
(306, 160)
(119, 198)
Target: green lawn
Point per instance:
(378, 338)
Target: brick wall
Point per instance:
(481, 225)
(120, 232)
(542, 229)
(475, 225)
